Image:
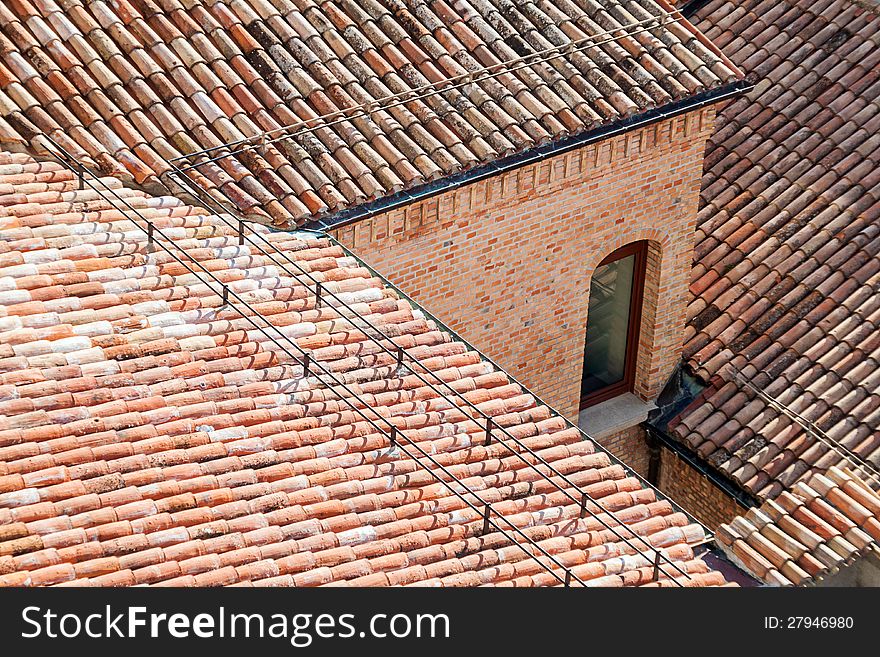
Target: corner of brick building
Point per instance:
(507, 261)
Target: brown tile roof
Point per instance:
(133, 83)
(785, 283)
(807, 533)
(151, 435)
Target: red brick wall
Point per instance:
(695, 493)
(630, 447)
(507, 261)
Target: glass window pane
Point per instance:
(608, 324)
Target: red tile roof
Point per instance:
(151, 435)
(808, 533)
(787, 270)
(130, 84)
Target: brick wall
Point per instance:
(630, 447)
(507, 261)
(695, 493)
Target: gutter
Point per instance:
(529, 156)
(741, 497)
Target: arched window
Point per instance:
(613, 320)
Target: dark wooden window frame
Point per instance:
(640, 251)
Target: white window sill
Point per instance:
(613, 415)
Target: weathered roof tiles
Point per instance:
(152, 435)
(130, 84)
(783, 321)
(808, 533)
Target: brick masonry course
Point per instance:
(630, 447)
(694, 492)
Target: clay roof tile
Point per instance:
(180, 449)
(338, 62)
(782, 249)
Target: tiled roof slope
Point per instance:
(133, 83)
(786, 278)
(807, 533)
(150, 436)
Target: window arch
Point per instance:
(613, 321)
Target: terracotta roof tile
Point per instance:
(822, 525)
(132, 84)
(152, 436)
(786, 256)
